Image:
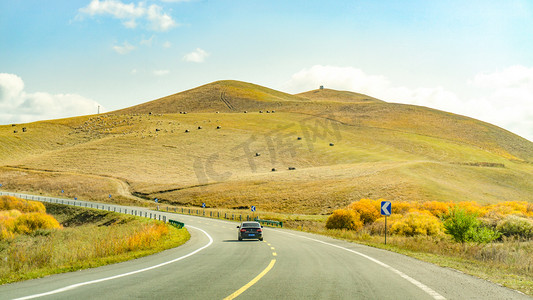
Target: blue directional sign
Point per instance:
(253, 208)
(109, 195)
(62, 191)
(203, 205)
(156, 200)
(386, 208)
(0, 185)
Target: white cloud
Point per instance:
(147, 42)
(18, 106)
(161, 72)
(157, 19)
(197, 56)
(124, 49)
(167, 44)
(134, 72)
(506, 97)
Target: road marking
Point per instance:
(417, 283)
(254, 281)
(74, 286)
(272, 248)
(274, 254)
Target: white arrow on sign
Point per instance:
(385, 208)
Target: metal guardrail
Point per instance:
(80, 203)
(269, 222)
(177, 224)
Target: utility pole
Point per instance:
(98, 109)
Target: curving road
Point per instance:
(287, 265)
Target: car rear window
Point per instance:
(251, 225)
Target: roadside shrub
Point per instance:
(344, 219)
(5, 234)
(516, 226)
(471, 207)
(378, 227)
(7, 214)
(368, 210)
(491, 220)
(7, 224)
(417, 223)
(509, 208)
(401, 207)
(483, 234)
(30, 222)
(10, 203)
(457, 222)
(464, 226)
(437, 208)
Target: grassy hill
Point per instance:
(342, 146)
(223, 96)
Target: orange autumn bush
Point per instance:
(18, 216)
(344, 219)
(415, 218)
(30, 222)
(417, 222)
(436, 208)
(10, 202)
(367, 209)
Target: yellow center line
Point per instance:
(254, 281)
(272, 248)
(274, 254)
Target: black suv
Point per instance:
(250, 230)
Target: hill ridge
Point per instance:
(318, 151)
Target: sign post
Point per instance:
(386, 209)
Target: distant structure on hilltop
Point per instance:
(321, 87)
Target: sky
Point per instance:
(67, 58)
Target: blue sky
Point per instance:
(64, 58)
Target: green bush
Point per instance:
(344, 219)
(482, 234)
(465, 227)
(516, 226)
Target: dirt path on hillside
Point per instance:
(122, 186)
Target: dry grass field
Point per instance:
(37, 240)
(328, 149)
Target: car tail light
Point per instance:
(259, 230)
(243, 230)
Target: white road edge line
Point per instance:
(417, 283)
(71, 287)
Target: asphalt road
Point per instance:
(286, 265)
